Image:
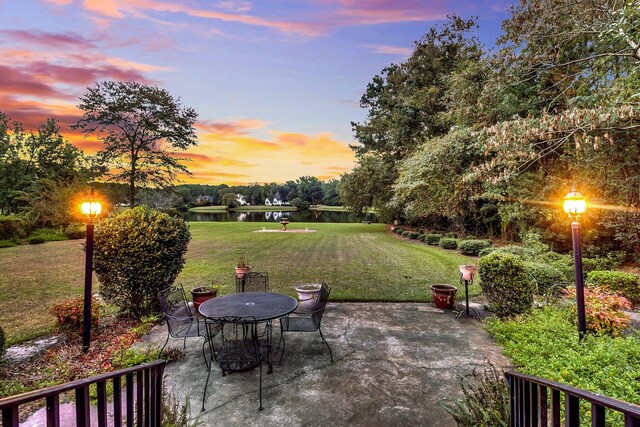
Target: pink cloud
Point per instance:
(49, 40)
(390, 50)
(236, 127)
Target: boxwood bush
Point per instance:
(448, 243)
(138, 253)
(406, 233)
(626, 284)
(433, 239)
(36, 240)
(505, 283)
(545, 277)
(473, 247)
(421, 237)
(413, 235)
(399, 230)
(523, 251)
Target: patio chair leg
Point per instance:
(282, 351)
(206, 361)
(325, 341)
(163, 346)
(184, 345)
(260, 392)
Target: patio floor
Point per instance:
(393, 366)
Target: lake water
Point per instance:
(302, 216)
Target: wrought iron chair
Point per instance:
(303, 321)
(181, 323)
(254, 281)
(241, 348)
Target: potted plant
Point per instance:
(444, 296)
(203, 293)
(308, 295)
(242, 267)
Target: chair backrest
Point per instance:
(174, 306)
(321, 303)
(254, 281)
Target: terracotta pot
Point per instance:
(241, 271)
(308, 295)
(201, 294)
(444, 296)
(467, 271)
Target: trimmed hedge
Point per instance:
(433, 239)
(545, 277)
(399, 230)
(473, 247)
(504, 282)
(139, 252)
(448, 243)
(628, 285)
(406, 233)
(413, 235)
(75, 234)
(36, 240)
(523, 251)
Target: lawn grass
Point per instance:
(361, 262)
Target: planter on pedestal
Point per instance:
(308, 295)
(201, 294)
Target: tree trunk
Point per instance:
(132, 185)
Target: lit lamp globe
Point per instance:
(575, 205)
(91, 209)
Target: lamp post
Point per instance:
(466, 276)
(575, 206)
(90, 209)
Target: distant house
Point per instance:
(276, 202)
(204, 200)
(267, 202)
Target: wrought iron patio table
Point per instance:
(261, 306)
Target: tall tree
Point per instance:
(141, 127)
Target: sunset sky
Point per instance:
(276, 83)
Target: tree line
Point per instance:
(483, 141)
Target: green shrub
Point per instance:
(399, 230)
(546, 344)
(598, 264)
(75, 234)
(628, 285)
(413, 235)
(433, 239)
(406, 233)
(7, 243)
(484, 402)
(139, 252)
(504, 282)
(546, 278)
(473, 247)
(49, 235)
(452, 235)
(421, 237)
(36, 240)
(12, 227)
(420, 230)
(3, 341)
(523, 251)
(448, 243)
(69, 315)
(603, 311)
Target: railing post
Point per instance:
(572, 411)
(10, 417)
(53, 411)
(83, 417)
(510, 380)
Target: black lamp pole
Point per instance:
(88, 277)
(577, 261)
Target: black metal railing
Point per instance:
(538, 402)
(142, 404)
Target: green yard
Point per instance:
(361, 262)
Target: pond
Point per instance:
(297, 216)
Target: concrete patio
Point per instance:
(393, 365)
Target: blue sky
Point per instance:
(276, 83)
